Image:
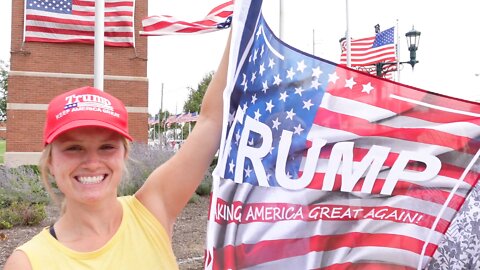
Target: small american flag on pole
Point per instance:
(366, 52)
(371, 50)
(218, 18)
(63, 21)
(324, 167)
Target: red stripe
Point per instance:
(83, 3)
(221, 6)
(247, 255)
(77, 40)
(357, 53)
(365, 128)
(76, 22)
(107, 14)
(118, 4)
(59, 20)
(75, 32)
(365, 266)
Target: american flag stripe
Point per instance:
(216, 19)
(78, 25)
(370, 266)
(314, 259)
(302, 230)
(365, 128)
(243, 256)
(413, 117)
(76, 22)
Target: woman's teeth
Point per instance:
(90, 179)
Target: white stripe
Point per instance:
(74, 37)
(434, 106)
(275, 52)
(252, 233)
(354, 108)
(396, 145)
(315, 260)
(78, 27)
(83, 17)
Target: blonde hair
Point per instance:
(47, 178)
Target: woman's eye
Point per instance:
(73, 148)
(107, 147)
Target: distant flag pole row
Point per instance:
(177, 118)
(218, 18)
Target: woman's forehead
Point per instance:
(91, 133)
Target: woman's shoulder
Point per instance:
(19, 258)
(17, 261)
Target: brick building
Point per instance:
(39, 71)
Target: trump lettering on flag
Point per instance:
(74, 21)
(325, 167)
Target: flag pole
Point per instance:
(98, 57)
(280, 35)
(347, 35)
(397, 47)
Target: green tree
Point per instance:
(194, 100)
(195, 96)
(3, 90)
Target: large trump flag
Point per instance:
(325, 167)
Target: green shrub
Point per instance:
(143, 160)
(22, 197)
(194, 199)
(21, 213)
(205, 186)
(146, 158)
(21, 184)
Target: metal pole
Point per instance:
(347, 35)
(98, 58)
(160, 137)
(280, 35)
(313, 42)
(397, 47)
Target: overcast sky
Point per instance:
(449, 52)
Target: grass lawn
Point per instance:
(2, 150)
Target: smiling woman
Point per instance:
(86, 140)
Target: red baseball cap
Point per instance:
(82, 107)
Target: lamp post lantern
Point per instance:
(413, 39)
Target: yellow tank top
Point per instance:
(141, 242)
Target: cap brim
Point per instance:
(85, 123)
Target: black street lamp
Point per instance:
(413, 39)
